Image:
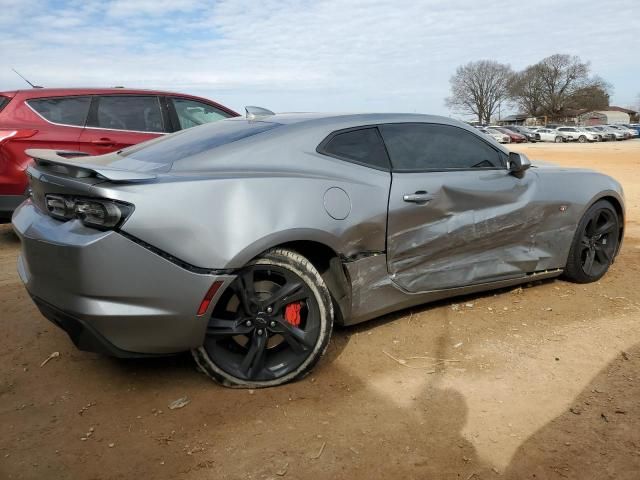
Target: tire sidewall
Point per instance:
(301, 267)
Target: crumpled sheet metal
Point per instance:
(462, 246)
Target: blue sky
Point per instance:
(301, 55)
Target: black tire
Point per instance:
(249, 341)
(558, 139)
(595, 244)
(582, 139)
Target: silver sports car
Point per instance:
(247, 239)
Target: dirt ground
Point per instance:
(536, 383)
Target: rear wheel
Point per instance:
(558, 139)
(582, 139)
(595, 244)
(271, 326)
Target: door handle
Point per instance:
(104, 142)
(420, 197)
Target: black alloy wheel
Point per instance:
(270, 326)
(595, 243)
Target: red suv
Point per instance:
(93, 121)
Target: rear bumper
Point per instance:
(82, 334)
(109, 293)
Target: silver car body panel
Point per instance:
(81, 271)
(212, 212)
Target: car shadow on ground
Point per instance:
(7, 235)
(598, 437)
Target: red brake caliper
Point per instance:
(292, 313)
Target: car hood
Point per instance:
(545, 165)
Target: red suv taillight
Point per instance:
(15, 134)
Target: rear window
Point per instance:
(362, 146)
(63, 110)
(3, 102)
(162, 152)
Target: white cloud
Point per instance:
(309, 55)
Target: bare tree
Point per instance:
(556, 84)
(526, 90)
(594, 96)
(479, 88)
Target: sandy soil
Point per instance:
(536, 383)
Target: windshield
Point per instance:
(161, 153)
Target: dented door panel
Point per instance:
(478, 226)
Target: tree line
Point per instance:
(552, 87)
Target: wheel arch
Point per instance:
(320, 249)
(614, 199)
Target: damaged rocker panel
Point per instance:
(374, 292)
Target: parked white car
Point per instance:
(579, 134)
(550, 135)
(497, 136)
(602, 136)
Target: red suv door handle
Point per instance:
(104, 142)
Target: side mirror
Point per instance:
(518, 163)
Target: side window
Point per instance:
(191, 113)
(3, 102)
(422, 146)
(363, 146)
(63, 110)
(129, 112)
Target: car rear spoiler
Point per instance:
(67, 163)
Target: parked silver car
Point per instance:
(628, 132)
(247, 239)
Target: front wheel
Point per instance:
(595, 244)
(270, 326)
(558, 139)
(582, 139)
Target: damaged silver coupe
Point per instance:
(246, 240)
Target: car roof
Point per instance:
(360, 118)
(347, 120)
(44, 92)
(58, 92)
(63, 92)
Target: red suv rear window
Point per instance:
(3, 102)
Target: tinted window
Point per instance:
(125, 112)
(157, 154)
(64, 110)
(3, 102)
(419, 146)
(191, 113)
(362, 146)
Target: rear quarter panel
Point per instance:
(223, 218)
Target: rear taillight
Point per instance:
(93, 212)
(15, 134)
